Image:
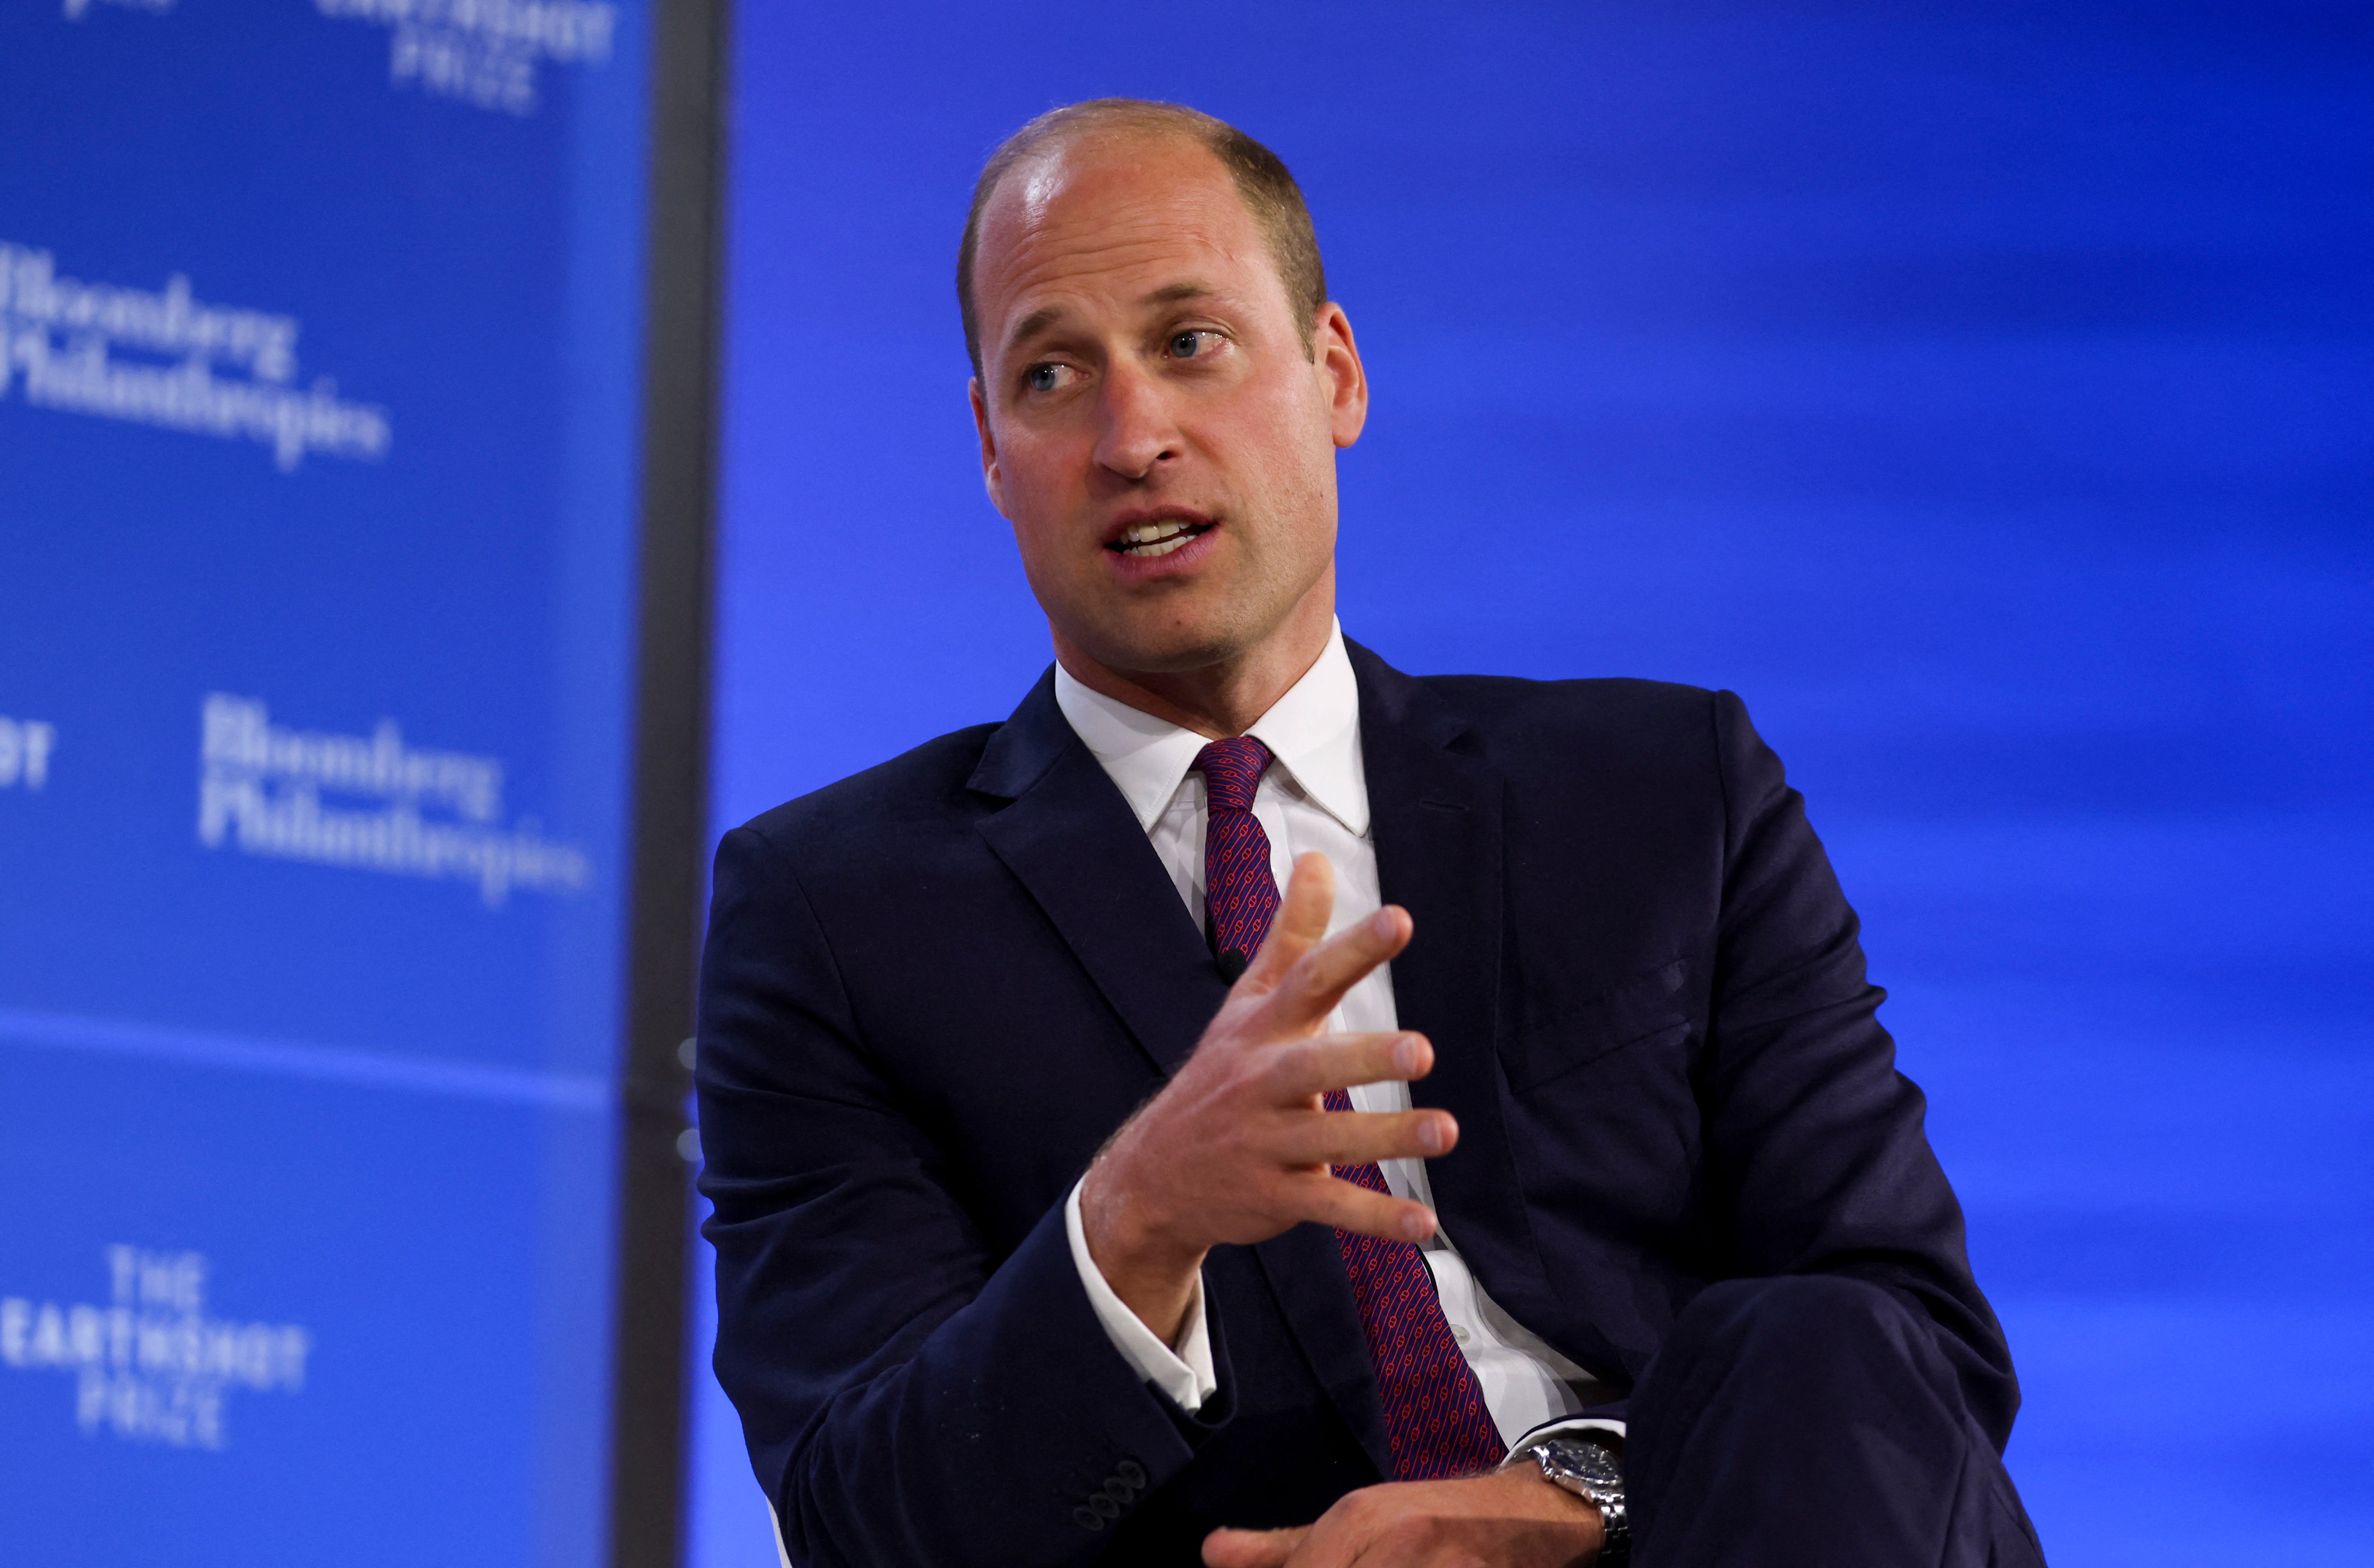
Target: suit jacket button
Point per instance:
(1132, 1472)
(1086, 1519)
(1104, 1507)
(1119, 1490)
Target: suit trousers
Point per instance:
(1811, 1421)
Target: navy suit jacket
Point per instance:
(931, 991)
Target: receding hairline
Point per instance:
(1263, 184)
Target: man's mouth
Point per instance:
(1147, 540)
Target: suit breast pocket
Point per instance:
(1649, 1007)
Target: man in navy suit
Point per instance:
(1253, 1106)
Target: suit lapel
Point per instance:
(1436, 817)
(1069, 837)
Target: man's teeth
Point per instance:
(1150, 539)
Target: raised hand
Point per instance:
(1236, 1148)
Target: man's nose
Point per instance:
(1138, 432)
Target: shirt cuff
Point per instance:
(1565, 1427)
(1183, 1376)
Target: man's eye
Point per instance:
(1043, 378)
(1187, 344)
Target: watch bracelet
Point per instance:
(1614, 1518)
(1615, 1533)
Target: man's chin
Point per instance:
(1203, 627)
(1169, 655)
(1167, 646)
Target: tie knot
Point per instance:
(1232, 771)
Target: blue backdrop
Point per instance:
(318, 352)
(1980, 391)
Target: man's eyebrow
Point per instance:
(1046, 316)
(1171, 293)
(1034, 323)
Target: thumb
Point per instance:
(1251, 1549)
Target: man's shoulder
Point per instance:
(913, 795)
(1592, 705)
(1614, 740)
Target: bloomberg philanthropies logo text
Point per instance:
(167, 358)
(266, 790)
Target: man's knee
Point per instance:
(1792, 1404)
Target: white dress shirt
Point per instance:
(1314, 796)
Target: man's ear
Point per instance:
(1337, 360)
(991, 479)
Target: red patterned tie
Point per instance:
(1434, 1416)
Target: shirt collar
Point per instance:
(1313, 731)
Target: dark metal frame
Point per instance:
(679, 423)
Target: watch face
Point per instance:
(1587, 1461)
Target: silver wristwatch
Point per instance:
(1596, 1476)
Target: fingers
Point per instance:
(1301, 921)
(1309, 990)
(1330, 1200)
(1251, 1549)
(1305, 1068)
(1361, 1138)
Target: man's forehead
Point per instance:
(1109, 167)
(1158, 222)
